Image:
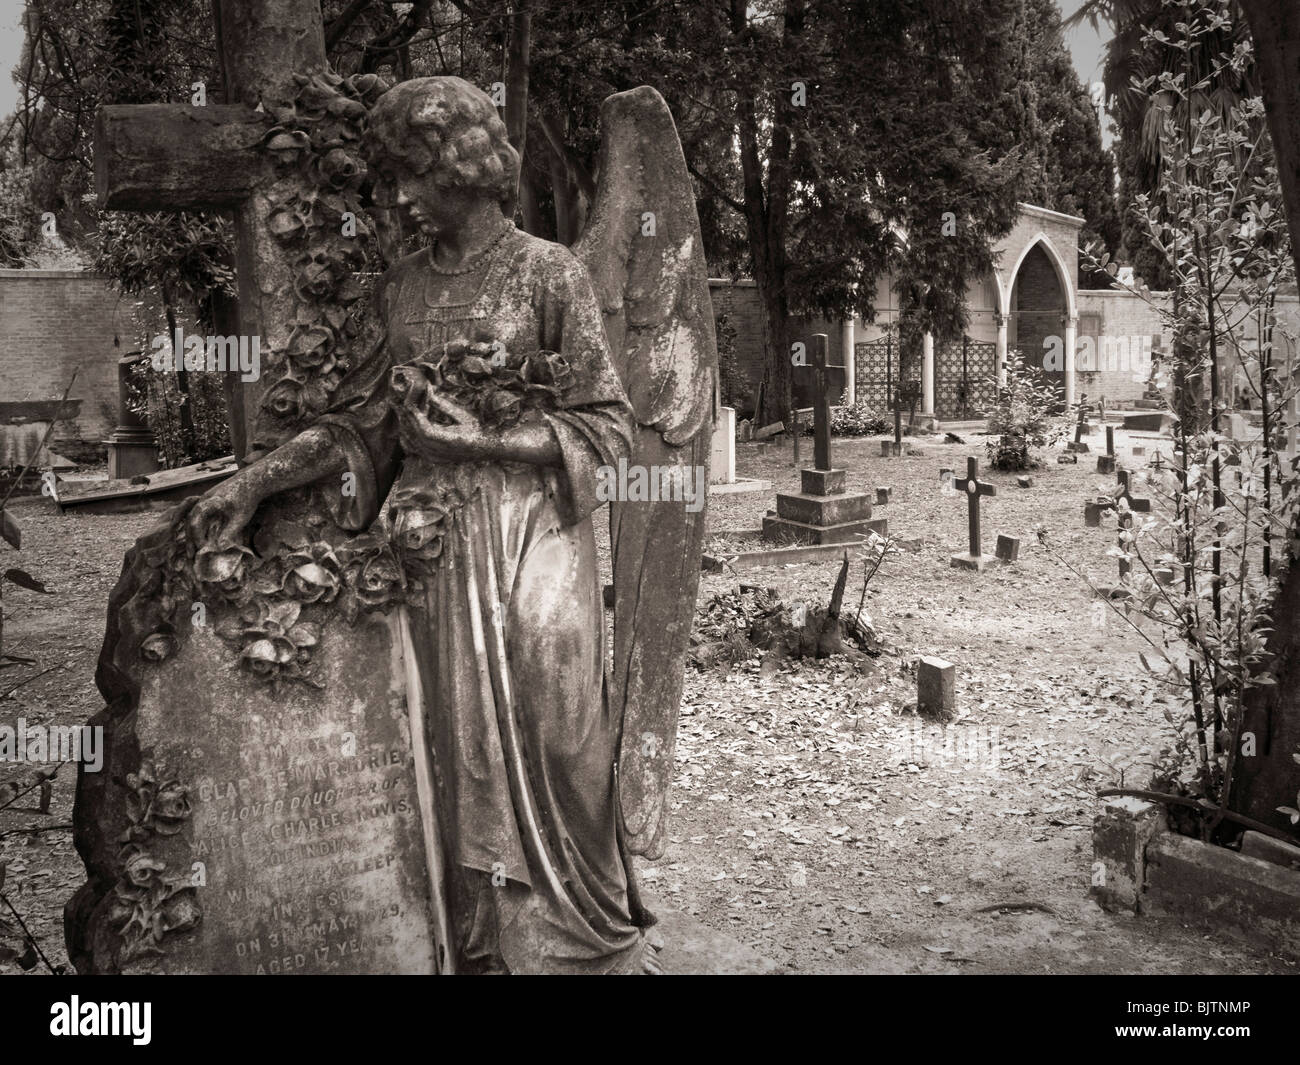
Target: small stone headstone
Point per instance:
(890, 449)
(1105, 463)
(1067, 459)
(1164, 575)
(1024, 481)
(936, 687)
(745, 431)
(1008, 548)
(883, 495)
(1094, 509)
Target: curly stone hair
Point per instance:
(446, 125)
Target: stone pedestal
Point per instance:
(823, 513)
(962, 560)
(131, 453)
(132, 449)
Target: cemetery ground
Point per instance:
(814, 817)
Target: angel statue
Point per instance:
(549, 767)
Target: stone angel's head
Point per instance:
(436, 144)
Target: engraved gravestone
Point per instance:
(257, 811)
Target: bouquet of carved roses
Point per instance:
(499, 386)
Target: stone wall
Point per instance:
(53, 322)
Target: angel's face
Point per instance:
(435, 209)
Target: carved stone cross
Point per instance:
(974, 488)
(1135, 503)
(178, 157)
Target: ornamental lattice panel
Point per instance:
(876, 372)
(965, 383)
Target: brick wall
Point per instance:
(1117, 333)
(51, 323)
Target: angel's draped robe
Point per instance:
(509, 628)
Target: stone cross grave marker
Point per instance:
(974, 488)
(1135, 503)
(1078, 444)
(183, 157)
(1124, 491)
(823, 512)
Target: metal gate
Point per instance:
(965, 378)
(876, 372)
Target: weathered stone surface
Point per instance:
(936, 687)
(1105, 463)
(962, 560)
(1079, 447)
(823, 510)
(1067, 459)
(890, 449)
(883, 495)
(286, 823)
(780, 530)
(1093, 511)
(1223, 889)
(1024, 481)
(1120, 835)
(1008, 548)
(1258, 845)
(777, 556)
(145, 155)
(821, 482)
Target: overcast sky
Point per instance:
(1085, 46)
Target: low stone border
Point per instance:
(1142, 867)
(777, 556)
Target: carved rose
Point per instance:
(227, 568)
(286, 398)
(263, 658)
(501, 409)
(157, 647)
(140, 869)
(312, 347)
(171, 808)
(371, 571)
(312, 575)
(421, 520)
(337, 167)
(548, 368)
(287, 146)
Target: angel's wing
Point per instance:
(643, 251)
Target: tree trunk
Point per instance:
(1272, 713)
(188, 441)
(516, 78)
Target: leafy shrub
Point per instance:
(858, 420)
(1023, 418)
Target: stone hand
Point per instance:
(461, 439)
(218, 518)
